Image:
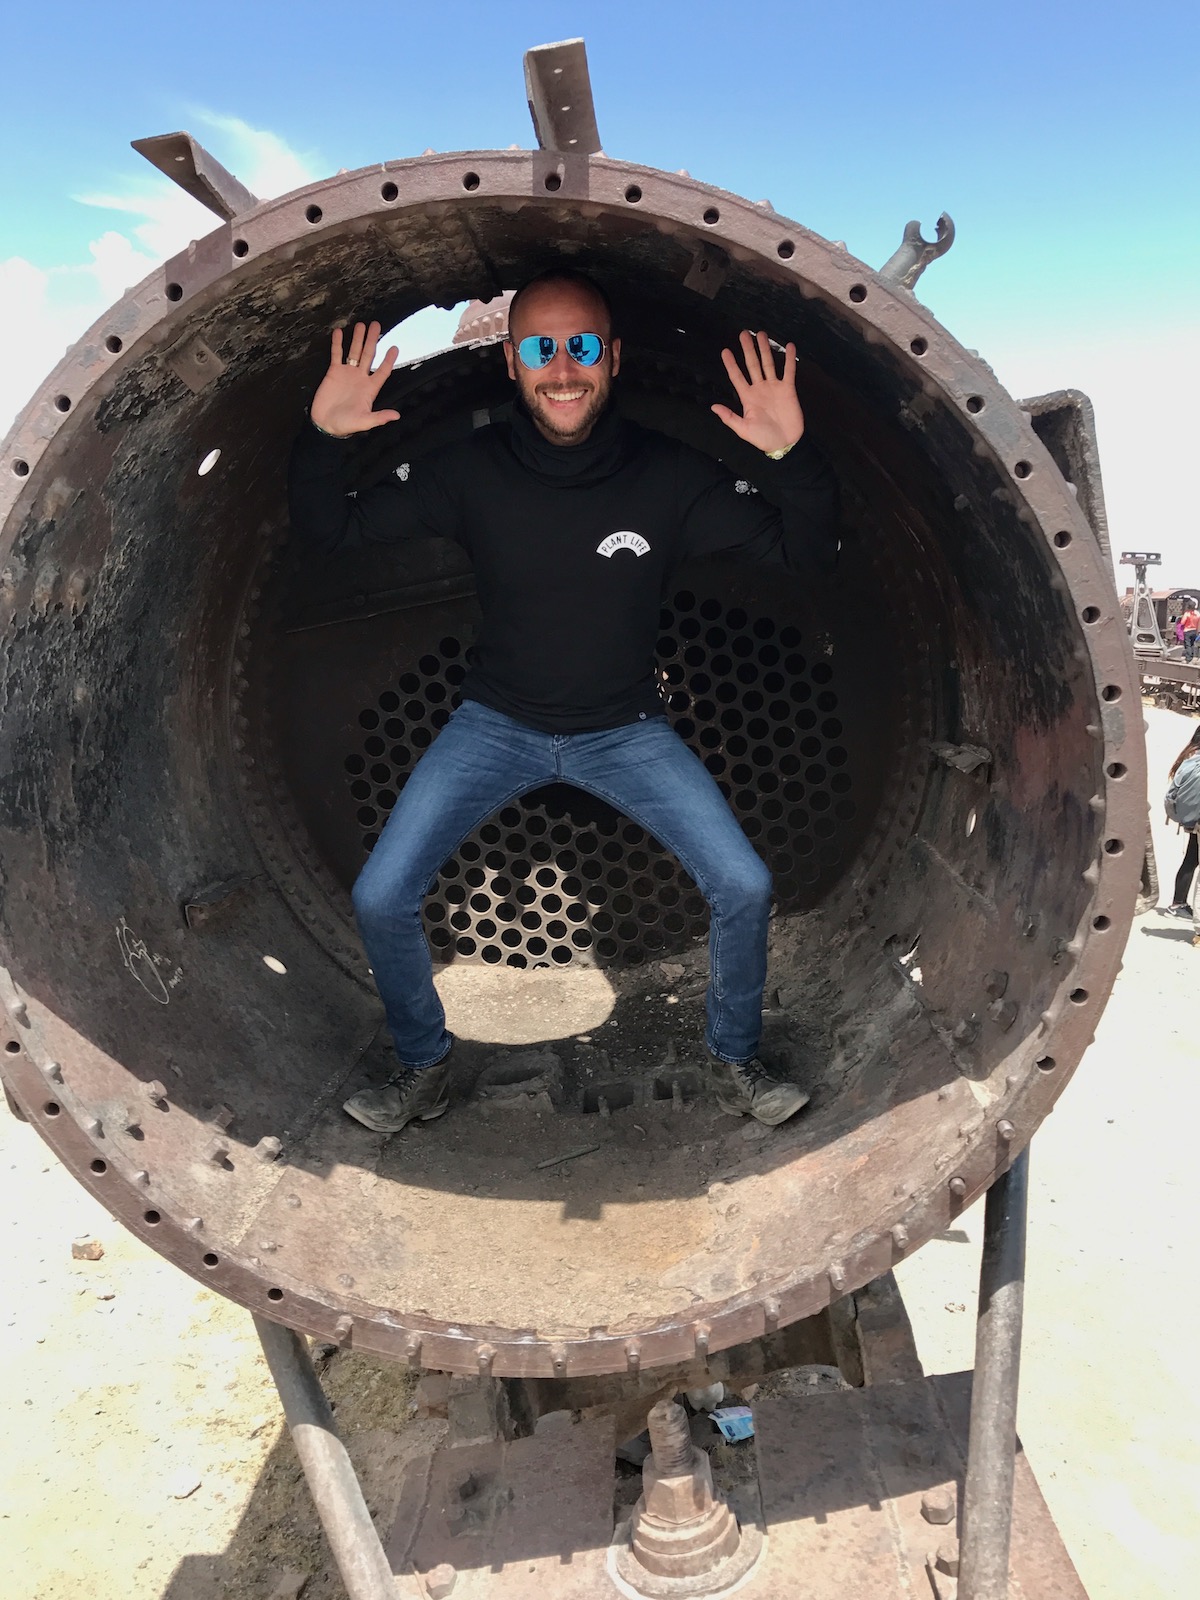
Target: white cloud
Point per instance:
(47, 309)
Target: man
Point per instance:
(575, 521)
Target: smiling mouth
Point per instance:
(563, 397)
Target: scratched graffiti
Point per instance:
(145, 966)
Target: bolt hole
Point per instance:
(712, 216)
(12, 1046)
(52, 1108)
(174, 291)
(1062, 539)
(1046, 1063)
(1101, 923)
(1116, 769)
(633, 194)
(274, 1294)
(786, 249)
(241, 247)
(20, 469)
(99, 1166)
(113, 345)
(152, 1217)
(1022, 469)
(974, 402)
(553, 182)
(210, 1258)
(1078, 997)
(470, 180)
(1113, 847)
(275, 964)
(858, 293)
(314, 213)
(208, 463)
(62, 402)
(1090, 613)
(1111, 692)
(919, 346)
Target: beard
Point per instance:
(550, 422)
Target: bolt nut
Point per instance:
(440, 1582)
(937, 1506)
(946, 1559)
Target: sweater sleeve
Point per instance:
(420, 504)
(788, 518)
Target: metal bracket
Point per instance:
(197, 173)
(708, 270)
(559, 91)
(915, 253)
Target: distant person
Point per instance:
(1191, 631)
(1179, 906)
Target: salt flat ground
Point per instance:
(144, 1452)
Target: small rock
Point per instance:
(85, 1248)
(748, 1391)
(671, 970)
(707, 1398)
(291, 1585)
(955, 1305)
(103, 1292)
(183, 1483)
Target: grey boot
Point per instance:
(751, 1090)
(412, 1092)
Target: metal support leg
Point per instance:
(991, 1455)
(332, 1481)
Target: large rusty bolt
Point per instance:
(682, 1527)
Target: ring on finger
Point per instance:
(351, 361)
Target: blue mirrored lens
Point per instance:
(586, 348)
(537, 350)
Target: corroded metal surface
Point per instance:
(178, 827)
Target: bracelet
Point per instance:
(771, 455)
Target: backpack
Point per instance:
(1183, 796)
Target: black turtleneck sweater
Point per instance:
(573, 547)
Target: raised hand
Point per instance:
(343, 403)
(771, 417)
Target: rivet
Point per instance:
(958, 1186)
(1005, 1131)
(995, 984)
(154, 1091)
(1003, 1013)
(837, 1278)
(19, 1011)
(701, 1335)
(54, 1072)
(412, 1350)
(342, 1330)
(485, 1355)
(268, 1246)
(194, 1225)
(268, 1148)
(142, 1178)
(345, 1281)
(900, 1237)
(95, 1127)
(633, 1355)
(771, 1313)
(558, 1356)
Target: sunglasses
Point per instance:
(539, 350)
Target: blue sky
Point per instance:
(1063, 138)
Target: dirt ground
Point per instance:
(146, 1457)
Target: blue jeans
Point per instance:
(480, 762)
